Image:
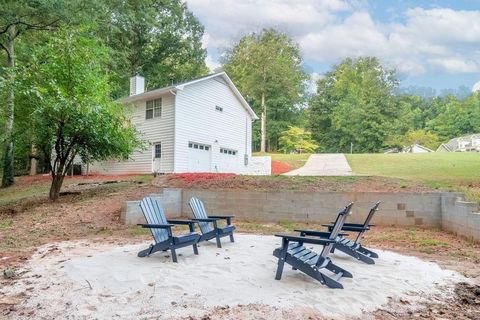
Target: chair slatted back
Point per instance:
(367, 221)
(199, 212)
(337, 227)
(153, 212)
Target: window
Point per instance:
(158, 150)
(218, 108)
(199, 146)
(154, 109)
(228, 151)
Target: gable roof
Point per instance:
(180, 86)
(410, 148)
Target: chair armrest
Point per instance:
(357, 225)
(156, 226)
(221, 217)
(354, 229)
(179, 221)
(228, 218)
(205, 219)
(321, 234)
(296, 238)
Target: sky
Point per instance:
(429, 43)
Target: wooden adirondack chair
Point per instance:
(309, 262)
(351, 247)
(205, 222)
(161, 229)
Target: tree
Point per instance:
(19, 19)
(267, 68)
(354, 106)
(297, 139)
(456, 117)
(419, 136)
(75, 115)
(160, 39)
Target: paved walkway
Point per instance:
(334, 164)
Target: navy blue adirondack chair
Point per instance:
(205, 222)
(161, 229)
(309, 262)
(351, 247)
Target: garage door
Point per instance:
(199, 157)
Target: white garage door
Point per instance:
(198, 157)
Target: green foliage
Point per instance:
(456, 117)
(269, 64)
(160, 39)
(297, 139)
(354, 104)
(74, 113)
(420, 136)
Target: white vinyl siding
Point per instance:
(152, 130)
(197, 119)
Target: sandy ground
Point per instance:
(83, 280)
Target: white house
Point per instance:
(203, 125)
(469, 143)
(417, 148)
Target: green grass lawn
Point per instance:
(433, 167)
(459, 171)
(295, 161)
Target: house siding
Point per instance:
(158, 129)
(197, 120)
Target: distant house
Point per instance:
(202, 125)
(416, 148)
(469, 143)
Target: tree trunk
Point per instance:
(33, 160)
(57, 182)
(7, 177)
(263, 122)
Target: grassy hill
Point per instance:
(452, 171)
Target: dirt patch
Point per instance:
(294, 183)
(465, 304)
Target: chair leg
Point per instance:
(281, 262)
(174, 255)
(231, 238)
(195, 248)
(219, 244)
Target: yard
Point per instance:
(450, 171)
(88, 213)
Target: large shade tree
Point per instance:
(16, 19)
(159, 39)
(267, 68)
(74, 114)
(354, 108)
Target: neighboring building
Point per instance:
(203, 125)
(469, 143)
(416, 148)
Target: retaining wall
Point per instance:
(429, 209)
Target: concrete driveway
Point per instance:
(326, 164)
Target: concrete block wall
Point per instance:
(170, 199)
(461, 217)
(404, 209)
(430, 209)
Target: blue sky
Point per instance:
(430, 43)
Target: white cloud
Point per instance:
(312, 83)
(425, 40)
(476, 87)
(212, 65)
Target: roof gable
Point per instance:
(156, 92)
